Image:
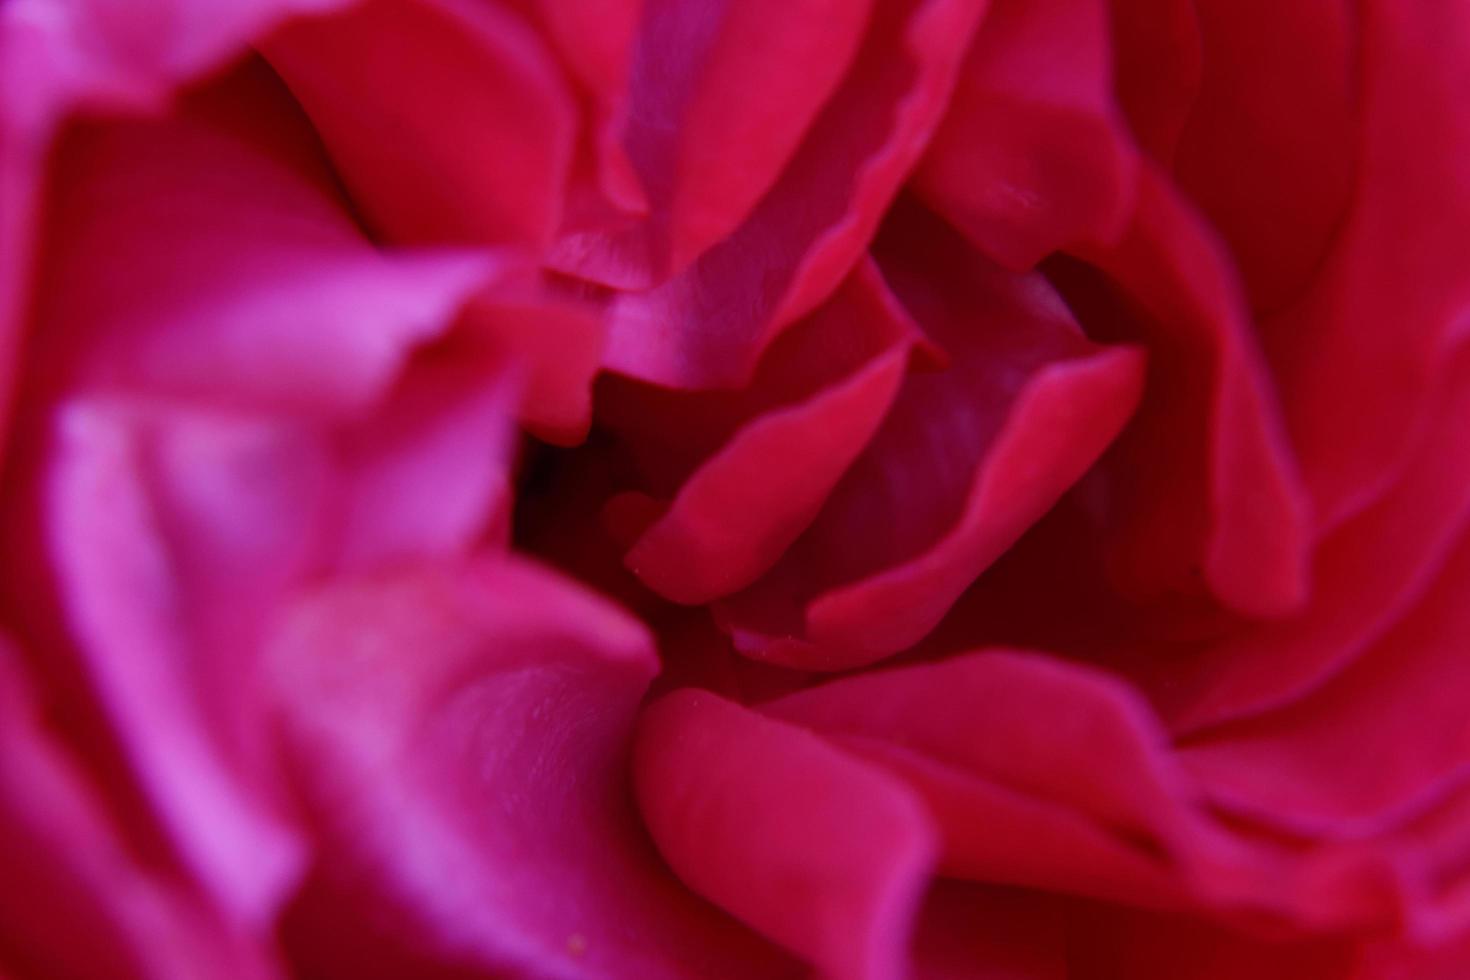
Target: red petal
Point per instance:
(822, 853)
(966, 460)
(1356, 392)
(481, 126)
(1203, 485)
(460, 734)
(708, 326)
(1271, 143)
(1032, 156)
(736, 514)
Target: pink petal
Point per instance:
(1354, 392)
(74, 901)
(1032, 156)
(131, 598)
(205, 256)
(1203, 486)
(1001, 745)
(721, 96)
(429, 472)
(736, 514)
(708, 326)
(822, 853)
(554, 345)
(482, 127)
(966, 460)
(459, 732)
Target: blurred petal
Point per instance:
(1354, 392)
(818, 851)
(206, 256)
(480, 126)
(459, 734)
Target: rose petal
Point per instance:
(968, 932)
(1203, 488)
(999, 744)
(708, 326)
(1354, 393)
(721, 95)
(736, 514)
(1373, 570)
(76, 903)
(1269, 149)
(205, 256)
(822, 853)
(1032, 156)
(1399, 712)
(965, 461)
(483, 128)
(1158, 61)
(466, 723)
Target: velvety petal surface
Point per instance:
(708, 326)
(448, 119)
(1032, 156)
(966, 460)
(818, 851)
(468, 722)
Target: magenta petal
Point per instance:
(479, 126)
(1355, 393)
(967, 459)
(144, 594)
(742, 507)
(721, 95)
(708, 326)
(429, 472)
(207, 257)
(1203, 485)
(1372, 571)
(1032, 156)
(554, 347)
(818, 851)
(1158, 62)
(459, 731)
(75, 902)
(1002, 747)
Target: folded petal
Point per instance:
(482, 127)
(1354, 393)
(206, 256)
(743, 506)
(76, 901)
(966, 460)
(1373, 570)
(820, 852)
(721, 96)
(1271, 143)
(1203, 490)
(708, 326)
(467, 723)
(1032, 156)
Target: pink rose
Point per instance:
(681, 489)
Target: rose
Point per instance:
(1026, 366)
